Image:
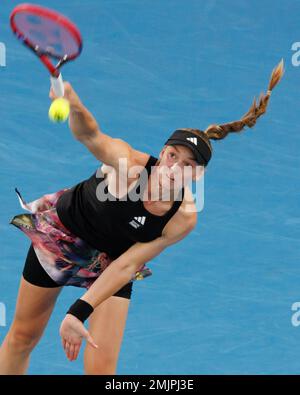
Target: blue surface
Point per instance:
(220, 300)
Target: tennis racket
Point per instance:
(50, 35)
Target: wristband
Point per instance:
(81, 310)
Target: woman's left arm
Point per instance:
(121, 271)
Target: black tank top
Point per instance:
(112, 225)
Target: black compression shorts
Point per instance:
(34, 273)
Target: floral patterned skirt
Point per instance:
(66, 258)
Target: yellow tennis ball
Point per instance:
(59, 110)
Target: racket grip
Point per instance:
(57, 85)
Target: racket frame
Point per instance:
(55, 75)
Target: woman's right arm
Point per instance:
(86, 130)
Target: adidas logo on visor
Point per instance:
(192, 139)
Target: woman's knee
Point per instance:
(21, 341)
(98, 363)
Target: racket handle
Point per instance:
(58, 85)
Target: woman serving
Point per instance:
(99, 235)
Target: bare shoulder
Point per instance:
(187, 212)
(138, 158)
(183, 222)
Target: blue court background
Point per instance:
(219, 302)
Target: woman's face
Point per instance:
(177, 167)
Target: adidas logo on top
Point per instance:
(140, 219)
(137, 222)
(192, 139)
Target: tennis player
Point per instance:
(96, 235)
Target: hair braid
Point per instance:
(218, 132)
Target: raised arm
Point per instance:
(86, 130)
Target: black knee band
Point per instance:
(81, 309)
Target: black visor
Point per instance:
(200, 148)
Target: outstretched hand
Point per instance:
(72, 331)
